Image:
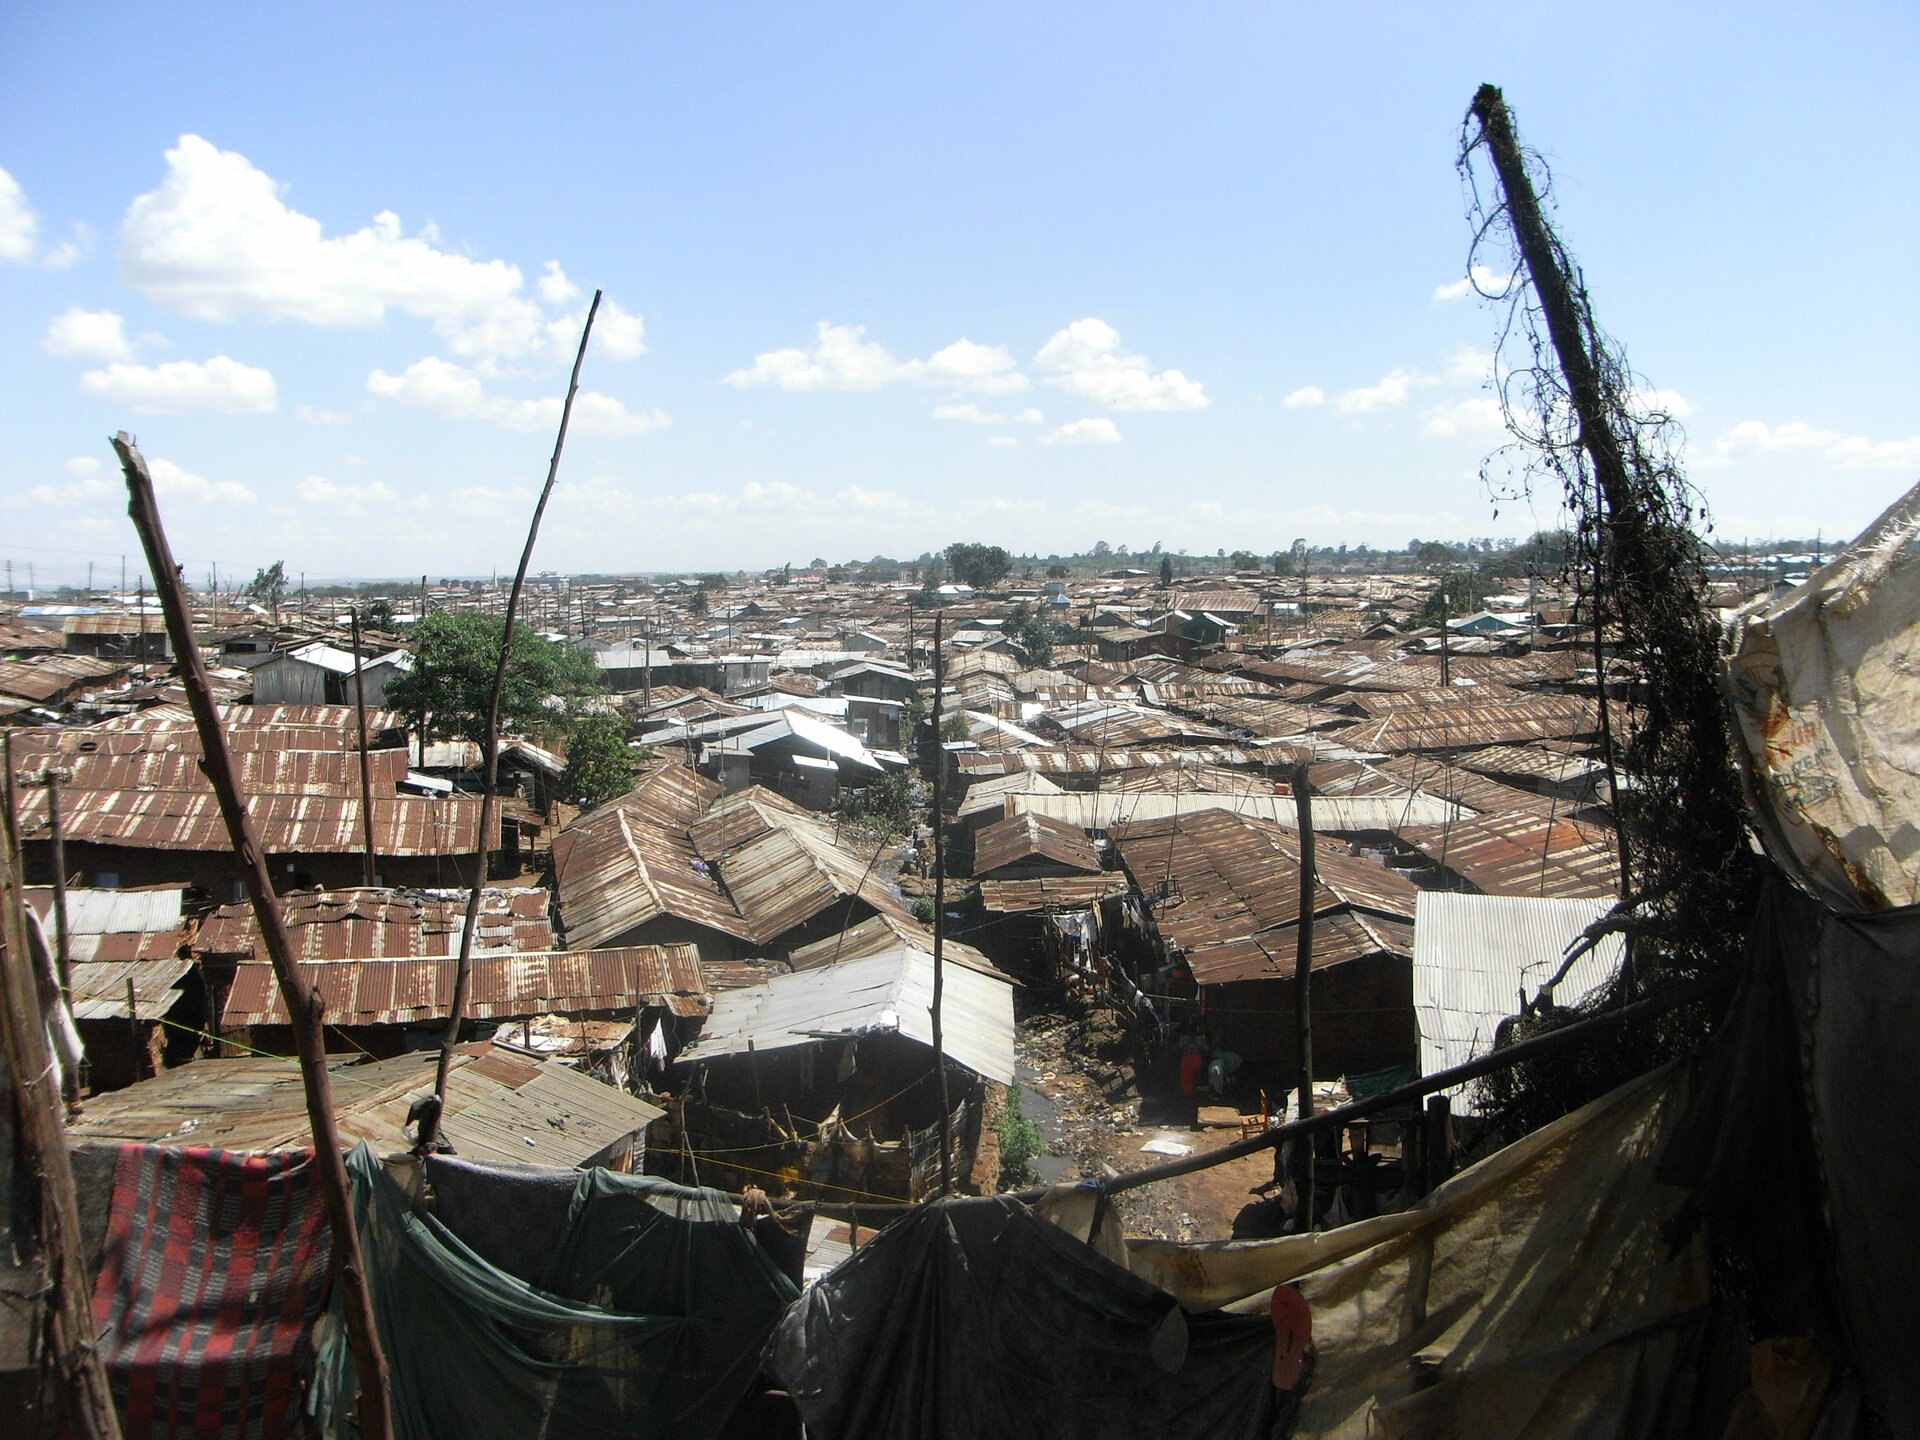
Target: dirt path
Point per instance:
(1079, 1087)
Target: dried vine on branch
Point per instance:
(1583, 422)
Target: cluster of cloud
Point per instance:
(87, 484)
(1848, 452)
(1474, 415)
(1479, 280)
(1084, 359)
(215, 242)
(456, 392)
(20, 232)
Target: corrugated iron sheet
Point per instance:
(889, 992)
(403, 825)
(1337, 938)
(1022, 838)
(1111, 811)
(504, 987)
(559, 1116)
(1477, 958)
(631, 861)
(1523, 854)
(1059, 892)
(377, 924)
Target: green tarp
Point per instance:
(648, 1318)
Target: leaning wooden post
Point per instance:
(1303, 988)
(81, 1378)
(303, 1008)
(940, 909)
(369, 871)
(463, 968)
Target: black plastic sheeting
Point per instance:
(647, 1316)
(976, 1318)
(1798, 1144)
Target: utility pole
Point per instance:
(366, 781)
(646, 665)
(1446, 654)
(940, 909)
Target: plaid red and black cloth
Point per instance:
(214, 1270)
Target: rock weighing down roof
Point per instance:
(888, 993)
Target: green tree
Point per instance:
(981, 566)
(1057, 572)
(1282, 564)
(1030, 630)
(1244, 560)
(1465, 590)
(954, 729)
(452, 677)
(269, 586)
(698, 604)
(1166, 571)
(599, 762)
(378, 614)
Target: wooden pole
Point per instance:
(1303, 991)
(80, 1378)
(368, 870)
(940, 908)
(303, 1008)
(463, 968)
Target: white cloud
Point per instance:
(1391, 390)
(75, 248)
(983, 369)
(1479, 415)
(356, 500)
(617, 335)
(18, 223)
(1004, 442)
(1305, 398)
(1850, 452)
(170, 482)
(1099, 431)
(312, 415)
(1468, 366)
(1672, 402)
(455, 392)
(1085, 359)
(1478, 280)
(180, 387)
(842, 358)
(77, 334)
(555, 287)
(84, 485)
(972, 414)
(216, 242)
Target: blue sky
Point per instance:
(888, 277)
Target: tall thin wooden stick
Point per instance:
(463, 969)
(303, 1008)
(1303, 991)
(82, 1380)
(940, 909)
(370, 871)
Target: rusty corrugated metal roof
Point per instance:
(500, 1106)
(1524, 854)
(631, 861)
(504, 987)
(1018, 838)
(403, 825)
(1054, 892)
(1337, 938)
(386, 924)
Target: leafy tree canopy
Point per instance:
(1031, 631)
(1166, 569)
(269, 586)
(452, 677)
(599, 763)
(1465, 590)
(981, 566)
